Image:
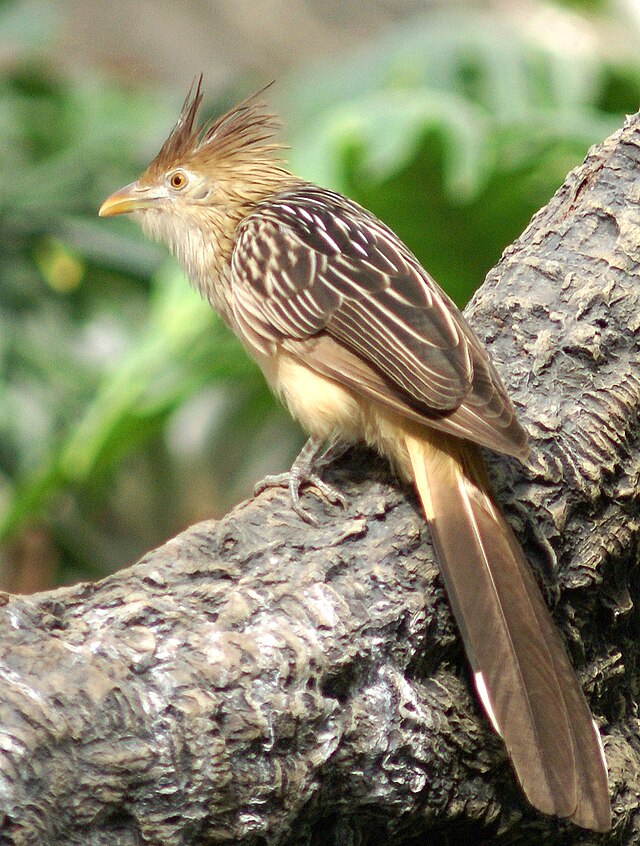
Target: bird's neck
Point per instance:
(203, 248)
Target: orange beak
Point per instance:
(131, 198)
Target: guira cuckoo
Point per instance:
(361, 344)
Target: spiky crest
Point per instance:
(239, 140)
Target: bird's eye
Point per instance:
(178, 179)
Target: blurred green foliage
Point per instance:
(127, 411)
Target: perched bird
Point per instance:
(361, 344)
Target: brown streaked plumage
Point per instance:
(361, 344)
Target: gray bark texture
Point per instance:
(258, 680)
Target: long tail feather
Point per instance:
(523, 674)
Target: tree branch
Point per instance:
(259, 680)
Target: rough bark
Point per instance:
(260, 680)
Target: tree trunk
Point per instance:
(260, 680)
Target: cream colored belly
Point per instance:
(323, 407)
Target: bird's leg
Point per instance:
(334, 449)
(302, 473)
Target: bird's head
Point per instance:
(206, 177)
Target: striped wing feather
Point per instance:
(316, 273)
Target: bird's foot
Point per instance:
(302, 473)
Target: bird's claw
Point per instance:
(294, 480)
(329, 492)
(281, 480)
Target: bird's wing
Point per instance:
(318, 275)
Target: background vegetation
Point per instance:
(126, 411)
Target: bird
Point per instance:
(362, 345)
